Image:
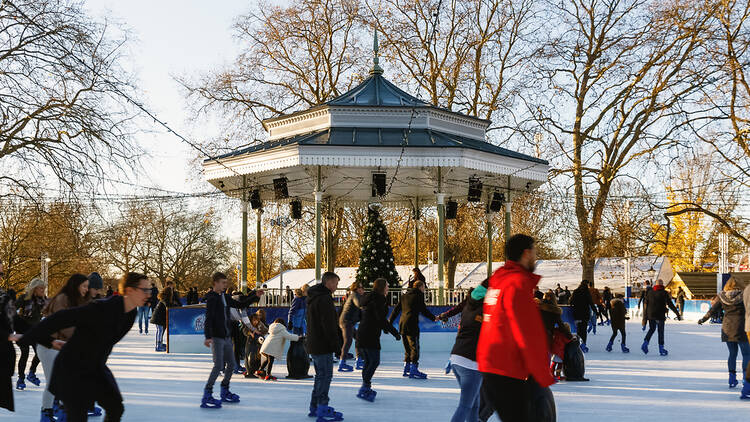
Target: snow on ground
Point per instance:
(688, 385)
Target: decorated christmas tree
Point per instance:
(376, 257)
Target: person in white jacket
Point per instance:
(273, 347)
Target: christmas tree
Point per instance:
(376, 257)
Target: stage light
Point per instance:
(497, 201)
(378, 184)
(255, 202)
(296, 207)
(451, 209)
(280, 188)
(475, 189)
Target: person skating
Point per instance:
(745, 395)
(29, 307)
(656, 303)
(582, 305)
(463, 358)
(596, 297)
(643, 300)
(350, 316)
(681, 300)
(551, 315)
(297, 311)
(618, 314)
(80, 375)
(7, 350)
(273, 347)
(732, 326)
(322, 342)
(512, 343)
(564, 297)
(607, 297)
(409, 306)
(374, 321)
(218, 337)
(159, 317)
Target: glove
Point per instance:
(701, 321)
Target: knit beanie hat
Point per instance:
(95, 281)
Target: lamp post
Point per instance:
(281, 223)
(45, 266)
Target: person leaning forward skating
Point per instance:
(410, 305)
(321, 343)
(657, 301)
(512, 342)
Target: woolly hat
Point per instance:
(95, 281)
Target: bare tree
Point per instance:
(62, 98)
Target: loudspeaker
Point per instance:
(475, 189)
(378, 184)
(296, 207)
(496, 204)
(280, 188)
(451, 209)
(255, 200)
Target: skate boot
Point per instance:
(609, 347)
(328, 414)
(415, 373)
(95, 411)
(47, 416)
(313, 411)
(260, 374)
(228, 396)
(624, 348)
(208, 401)
(584, 348)
(644, 347)
(360, 363)
(662, 350)
(745, 395)
(33, 379)
(732, 379)
(60, 415)
(407, 369)
(20, 385)
(343, 367)
(270, 378)
(364, 394)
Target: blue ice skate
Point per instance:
(644, 347)
(20, 385)
(33, 379)
(609, 347)
(662, 350)
(47, 416)
(328, 414)
(360, 364)
(208, 401)
(732, 379)
(624, 348)
(95, 411)
(343, 367)
(414, 373)
(366, 393)
(407, 369)
(228, 396)
(745, 395)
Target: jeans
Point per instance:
(470, 381)
(411, 348)
(47, 357)
(221, 348)
(347, 332)
(323, 377)
(143, 318)
(581, 330)
(25, 358)
(654, 325)
(159, 334)
(508, 396)
(733, 347)
(266, 363)
(372, 361)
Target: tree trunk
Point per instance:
(450, 272)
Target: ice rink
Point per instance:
(688, 385)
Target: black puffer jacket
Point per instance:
(582, 303)
(217, 315)
(657, 301)
(374, 320)
(733, 324)
(410, 306)
(617, 313)
(159, 317)
(468, 332)
(322, 322)
(29, 312)
(351, 311)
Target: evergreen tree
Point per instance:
(376, 257)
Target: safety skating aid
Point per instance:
(644, 347)
(343, 367)
(414, 373)
(208, 401)
(328, 414)
(609, 347)
(732, 379)
(745, 395)
(407, 369)
(360, 364)
(33, 379)
(662, 350)
(228, 396)
(95, 411)
(47, 416)
(20, 385)
(624, 348)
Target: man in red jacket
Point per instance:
(512, 343)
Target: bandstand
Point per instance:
(375, 143)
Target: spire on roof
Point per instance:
(376, 69)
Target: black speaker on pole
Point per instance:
(255, 199)
(451, 209)
(280, 188)
(378, 184)
(475, 189)
(296, 207)
(496, 204)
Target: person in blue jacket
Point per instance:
(296, 316)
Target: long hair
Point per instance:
(33, 284)
(733, 284)
(166, 295)
(379, 286)
(71, 292)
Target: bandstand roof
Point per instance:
(375, 127)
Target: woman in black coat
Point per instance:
(7, 351)
(374, 320)
(582, 306)
(80, 376)
(732, 326)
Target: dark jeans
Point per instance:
(143, 318)
(347, 332)
(372, 361)
(266, 363)
(582, 330)
(323, 376)
(24, 358)
(470, 381)
(614, 334)
(106, 398)
(733, 347)
(654, 325)
(508, 396)
(411, 348)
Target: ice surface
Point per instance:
(688, 385)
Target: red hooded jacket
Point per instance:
(513, 342)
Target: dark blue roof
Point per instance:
(377, 91)
(367, 137)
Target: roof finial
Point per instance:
(376, 69)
